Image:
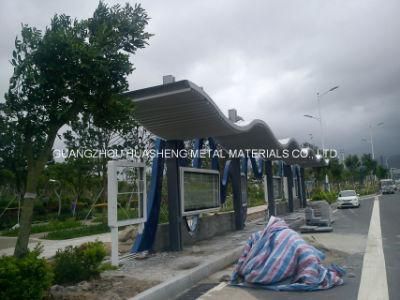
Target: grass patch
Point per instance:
(330, 197)
(77, 232)
(49, 227)
(368, 190)
(107, 267)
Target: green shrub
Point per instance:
(24, 278)
(368, 190)
(75, 264)
(321, 195)
(53, 225)
(71, 233)
(255, 194)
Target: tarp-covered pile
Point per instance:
(278, 258)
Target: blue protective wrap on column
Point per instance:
(198, 145)
(224, 181)
(258, 167)
(229, 175)
(243, 162)
(146, 240)
(214, 159)
(299, 189)
(281, 169)
(182, 161)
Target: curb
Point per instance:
(172, 288)
(334, 204)
(175, 286)
(368, 196)
(297, 224)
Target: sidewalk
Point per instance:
(176, 271)
(50, 247)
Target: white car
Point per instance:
(348, 198)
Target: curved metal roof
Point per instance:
(181, 111)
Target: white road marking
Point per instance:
(373, 285)
(335, 211)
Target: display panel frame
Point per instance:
(186, 170)
(113, 193)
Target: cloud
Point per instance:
(267, 59)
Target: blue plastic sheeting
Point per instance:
(145, 240)
(258, 167)
(277, 258)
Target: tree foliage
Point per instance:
(369, 163)
(70, 69)
(381, 172)
(336, 169)
(352, 163)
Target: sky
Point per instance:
(267, 59)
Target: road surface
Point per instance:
(370, 237)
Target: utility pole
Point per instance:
(319, 118)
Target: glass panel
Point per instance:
(201, 191)
(130, 193)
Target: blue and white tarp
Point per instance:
(277, 258)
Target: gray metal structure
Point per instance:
(182, 111)
(179, 111)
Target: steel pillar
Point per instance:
(289, 174)
(238, 205)
(270, 188)
(174, 204)
(303, 188)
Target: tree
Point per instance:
(74, 176)
(72, 68)
(352, 163)
(12, 161)
(121, 132)
(336, 170)
(369, 163)
(381, 172)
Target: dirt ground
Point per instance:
(107, 287)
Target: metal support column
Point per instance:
(238, 206)
(270, 188)
(298, 182)
(303, 188)
(289, 174)
(174, 205)
(145, 240)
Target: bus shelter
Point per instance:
(179, 111)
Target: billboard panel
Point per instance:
(200, 190)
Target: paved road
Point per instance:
(390, 223)
(350, 235)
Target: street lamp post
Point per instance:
(319, 96)
(341, 152)
(319, 118)
(371, 140)
(320, 124)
